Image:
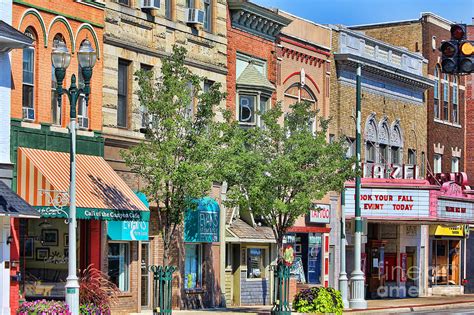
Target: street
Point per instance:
(457, 311)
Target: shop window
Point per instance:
(437, 164)
(193, 266)
(445, 262)
(119, 265)
(455, 165)
(255, 263)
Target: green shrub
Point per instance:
(318, 300)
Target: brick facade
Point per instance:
(469, 117)
(444, 136)
(143, 38)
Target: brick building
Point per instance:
(303, 74)
(393, 121)
(251, 89)
(137, 37)
(445, 101)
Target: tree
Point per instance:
(278, 170)
(176, 157)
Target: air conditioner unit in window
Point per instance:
(28, 113)
(194, 16)
(83, 122)
(150, 4)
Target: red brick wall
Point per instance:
(441, 133)
(243, 42)
(469, 118)
(76, 13)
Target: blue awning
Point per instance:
(201, 224)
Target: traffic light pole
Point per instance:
(357, 300)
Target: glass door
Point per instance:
(145, 275)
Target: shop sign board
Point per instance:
(456, 210)
(393, 171)
(127, 230)
(440, 230)
(94, 214)
(320, 213)
(201, 225)
(390, 203)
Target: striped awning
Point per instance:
(43, 181)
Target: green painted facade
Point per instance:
(45, 139)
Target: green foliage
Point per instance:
(277, 171)
(318, 300)
(176, 159)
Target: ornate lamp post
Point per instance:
(60, 57)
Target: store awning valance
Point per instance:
(12, 205)
(43, 181)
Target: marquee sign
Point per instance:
(392, 171)
(455, 210)
(320, 213)
(390, 203)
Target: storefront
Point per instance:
(201, 254)
(102, 196)
(310, 240)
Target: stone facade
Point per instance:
(445, 134)
(142, 38)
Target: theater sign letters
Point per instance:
(390, 203)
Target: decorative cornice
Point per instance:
(256, 20)
(302, 57)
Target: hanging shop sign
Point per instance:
(390, 203)
(127, 230)
(201, 225)
(455, 210)
(320, 213)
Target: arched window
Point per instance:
(28, 86)
(56, 116)
(298, 93)
(445, 97)
(455, 112)
(436, 92)
(383, 139)
(82, 117)
(370, 139)
(396, 144)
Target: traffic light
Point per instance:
(457, 53)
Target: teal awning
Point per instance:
(201, 224)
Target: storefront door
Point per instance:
(314, 258)
(145, 276)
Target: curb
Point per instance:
(414, 308)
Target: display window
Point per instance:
(119, 263)
(307, 267)
(255, 263)
(193, 266)
(445, 262)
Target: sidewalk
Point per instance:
(385, 306)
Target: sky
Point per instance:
(355, 12)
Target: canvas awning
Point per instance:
(11, 205)
(100, 192)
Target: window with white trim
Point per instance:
(255, 263)
(437, 163)
(28, 88)
(56, 117)
(436, 93)
(445, 97)
(119, 265)
(207, 15)
(455, 109)
(192, 266)
(455, 165)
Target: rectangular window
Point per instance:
(189, 3)
(207, 85)
(370, 153)
(82, 117)
(383, 154)
(192, 266)
(263, 107)
(446, 111)
(124, 2)
(146, 119)
(207, 15)
(395, 155)
(350, 143)
(119, 262)
(122, 105)
(168, 9)
(246, 109)
(255, 263)
(455, 165)
(411, 157)
(423, 170)
(437, 164)
(28, 77)
(436, 109)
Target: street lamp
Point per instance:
(60, 57)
